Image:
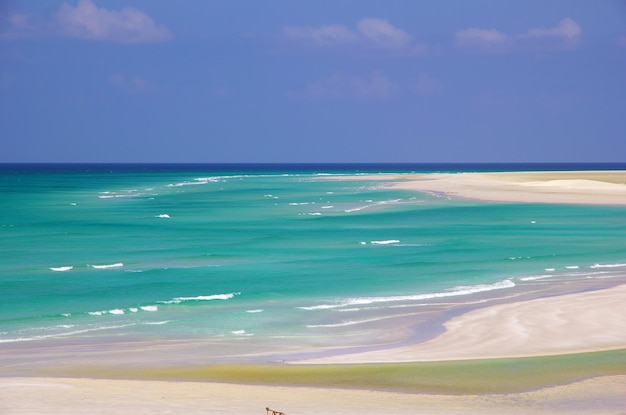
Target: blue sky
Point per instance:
(312, 81)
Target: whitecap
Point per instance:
(163, 216)
(260, 310)
(133, 309)
(345, 323)
(201, 298)
(157, 323)
(455, 291)
(62, 269)
(69, 333)
(536, 277)
(386, 242)
(116, 265)
(608, 265)
(572, 267)
(241, 333)
(117, 311)
(149, 308)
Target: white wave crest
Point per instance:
(201, 298)
(64, 334)
(536, 277)
(149, 308)
(386, 242)
(163, 216)
(116, 265)
(260, 310)
(62, 269)
(456, 291)
(608, 265)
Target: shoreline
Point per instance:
(564, 187)
(563, 324)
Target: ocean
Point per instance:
(276, 260)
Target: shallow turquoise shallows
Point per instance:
(252, 254)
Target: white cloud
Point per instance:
(566, 34)
(369, 33)
(383, 34)
(489, 40)
(339, 87)
(567, 29)
(86, 21)
(128, 25)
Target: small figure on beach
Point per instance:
(269, 411)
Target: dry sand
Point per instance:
(604, 395)
(586, 187)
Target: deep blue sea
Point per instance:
(248, 256)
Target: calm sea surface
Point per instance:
(260, 255)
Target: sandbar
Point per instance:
(574, 323)
(561, 187)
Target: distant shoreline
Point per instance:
(558, 187)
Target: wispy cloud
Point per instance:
(128, 25)
(369, 33)
(382, 34)
(90, 22)
(488, 40)
(567, 29)
(340, 87)
(566, 34)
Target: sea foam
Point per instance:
(608, 266)
(62, 269)
(386, 242)
(213, 297)
(456, 291)
(116, 265)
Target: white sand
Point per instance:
(586, 187)
(607, 188)
(589, 321)
(69, 396)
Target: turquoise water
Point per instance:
(248, 256)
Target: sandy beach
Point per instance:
(574, 323)
(483, 350)
(19, 396)
(570, 187)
